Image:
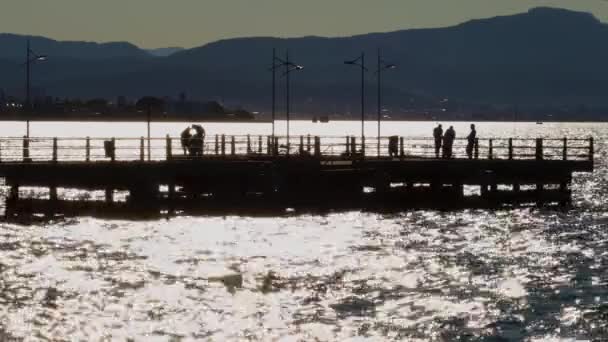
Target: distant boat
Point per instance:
(314, 119)
(539, 122)
(324, 119)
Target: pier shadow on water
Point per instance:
(38, 209)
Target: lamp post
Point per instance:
(289, 67)
(274, 68)
(31, 57)
(360, 62)
(381, 66)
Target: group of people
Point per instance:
(192, 144)
(444, 142)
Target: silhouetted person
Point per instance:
(471, 141)
(448, 142)
(185, 139)
(197, 140)
(438, 135)
(393, 146)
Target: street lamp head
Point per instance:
(391, 66)
(350, 62)
(41, 58)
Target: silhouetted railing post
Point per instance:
(301, 144)
(317, 146)
(55, 150)
(260, 144)
(113, 147)
(26, 149)
(476, 148)
(232, 146)
(510, 148)
(0, 151)
(149, 146)
(539, 149)
(275, 146)
(591, 149)
(248, 144)
(401, 147)
(565, 150)
(217, 145)
(169, 148)
(490, 149)
(362, 147)
(223, 145)
(308, 143)
(88, 149)
(269, 145)
(353, 146)
(141, 149)
(347, 145)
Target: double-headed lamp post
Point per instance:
(360, 62)
(382, 65)
(289, 67)
(31, 57)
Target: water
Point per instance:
(472, 275)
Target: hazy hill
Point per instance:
(543, 57)
(14, 47)
(164, 52)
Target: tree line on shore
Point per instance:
(121, 109)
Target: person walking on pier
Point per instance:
(438, 135)
(185, 139)
(471, 141)
(448, 142)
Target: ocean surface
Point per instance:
(527, 274)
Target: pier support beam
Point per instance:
(171, 199)
(109, 196)
(53, 193)
(14, 192)
(516, 187)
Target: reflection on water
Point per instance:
(423, 275)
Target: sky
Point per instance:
(189, 23)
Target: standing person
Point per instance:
(448, 142)
(185, 139)
(438, 135)
(471, 141)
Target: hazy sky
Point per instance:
(187, 23)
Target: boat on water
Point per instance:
(314, 119)
(539, 122)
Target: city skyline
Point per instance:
(193, 23)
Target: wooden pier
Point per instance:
(262, 172)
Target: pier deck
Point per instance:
(307, 171)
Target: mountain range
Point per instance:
(544, 57)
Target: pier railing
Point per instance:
(48, 149)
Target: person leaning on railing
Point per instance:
(197, 140)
